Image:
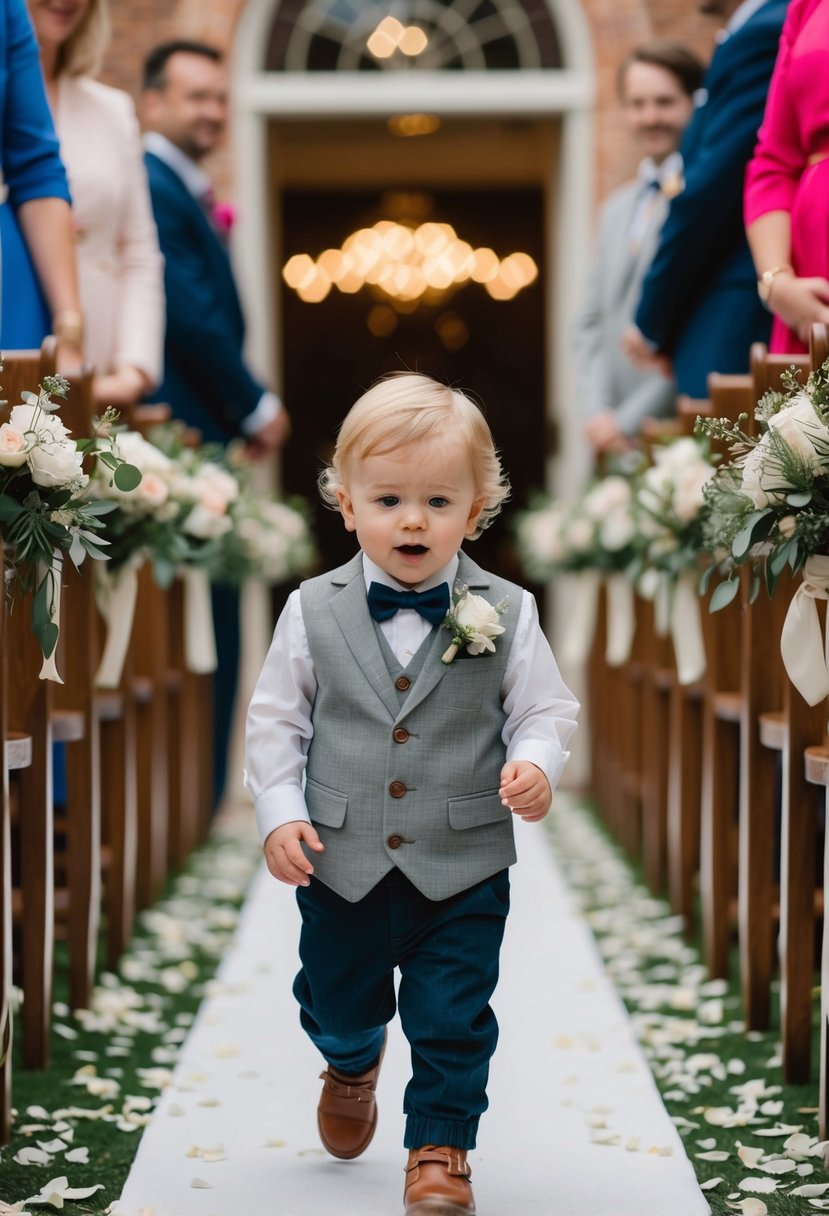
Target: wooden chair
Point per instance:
(26, 713)
(729, 396)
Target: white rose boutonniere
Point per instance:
(473, 622)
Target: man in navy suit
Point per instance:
(699, 307)
(206, 379)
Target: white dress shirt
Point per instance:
(541, 710)
(200, 186)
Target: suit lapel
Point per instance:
(350, 609)
(434, 670)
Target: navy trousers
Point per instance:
(447, 953)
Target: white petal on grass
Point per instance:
(65, 1032)
(714, 1154)
(778, 1165)
(805, 1169)
(52, 1146)
(32, 1156)
(199, 1184)
(759, 1186)
(749, 1155)
(752, 1207)
(811, 1190)
(710, 1184)
(78, 1156)
(710, 1142)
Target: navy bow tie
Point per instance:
(384, 602)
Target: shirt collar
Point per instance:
(194, 178)
(372, 573)
(739, 17)
(669, 169)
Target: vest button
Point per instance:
(394, 842)
(400, 734)
(402, 683)
(397, 789)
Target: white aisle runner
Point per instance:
(567, 1072)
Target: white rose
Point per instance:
(580, 535)
(475, 613)
(214, 483)
(675, 455)
(609, 493)
(153, 489)
(52, 456)
(135, 449)
(617, 531)
(688, 499)
(205, 524)
(763, 481)
(801, 428)
(13, 446)
(788, 525)
(541, 534)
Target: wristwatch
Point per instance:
(766, 281)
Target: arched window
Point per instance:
(412, 35)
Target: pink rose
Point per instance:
(13, 446)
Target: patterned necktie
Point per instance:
(384, 602)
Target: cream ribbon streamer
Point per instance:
(116, 596)
(49, 669)
(621, 619)
(580, 628)
(805, 653)
(686, 631)
(199, 632)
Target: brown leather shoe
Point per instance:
(347, 1111)
(437, 1182)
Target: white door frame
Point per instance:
(259, 96)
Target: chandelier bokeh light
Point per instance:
(409, 265)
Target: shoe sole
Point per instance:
(438, 1207)
(357, 1152)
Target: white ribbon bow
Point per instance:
(621, 619)
(803, 649)
(116, 595)
(580, 628)
(686, 631)
(199, 631)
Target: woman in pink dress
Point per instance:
(787, 181)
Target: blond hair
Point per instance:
(83, 51)
(408, 407)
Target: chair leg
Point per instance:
(36, 837)
(120, 812)
(719, 801)
(684, 794)
(83, 860)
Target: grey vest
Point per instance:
(405, 774)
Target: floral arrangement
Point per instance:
(670, 495)
(46, 508)
(473, 623)
(769, 507)
(598, 531)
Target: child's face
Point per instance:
(412, 508)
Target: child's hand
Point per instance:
(284, 855)
(525, 790)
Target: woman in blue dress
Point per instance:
(39, 288)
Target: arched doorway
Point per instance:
(512, 86)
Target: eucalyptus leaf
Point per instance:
(799, 499)
(127, 477)
(724, 594)
(756, 528)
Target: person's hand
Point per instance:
(270, 437)
(525, 790)
(603, 434)
(284, 855)
(800, 303)
(121, 388)
(642, 354)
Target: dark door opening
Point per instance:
(492, 349)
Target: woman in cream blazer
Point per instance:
(120, 268)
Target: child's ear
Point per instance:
(474, 515)
(347, 509)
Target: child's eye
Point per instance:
(437, 501)
(388, 500)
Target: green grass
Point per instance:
(137, 1022)
(691, 1029)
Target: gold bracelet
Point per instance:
(68, 327)
(766, 281)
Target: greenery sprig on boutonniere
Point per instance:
(473, 623)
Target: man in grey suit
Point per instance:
(656, 86)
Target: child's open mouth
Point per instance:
(412, 550)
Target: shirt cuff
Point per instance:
(277, 806)
(551, 761)
(264, 412)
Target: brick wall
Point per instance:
(617, 26)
